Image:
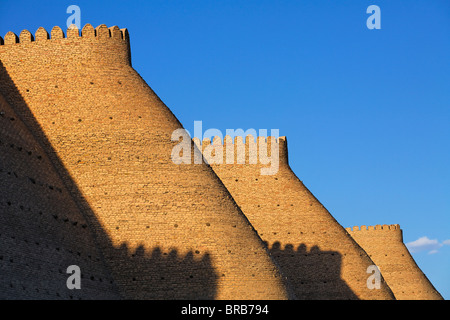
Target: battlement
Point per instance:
(260, 151)
(90, 47)
(102, 32)
(377, 227)
(378, 232)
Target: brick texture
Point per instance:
(42, 230)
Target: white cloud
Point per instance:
(446, 242)
(425, 244)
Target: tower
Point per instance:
(384, 244)
(165, 231)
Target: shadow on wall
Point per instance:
(168, 275)
(314, 274)
(144, 273)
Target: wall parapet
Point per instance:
(377, 227)
(27, 53)
(102, 32)
(259, 150)
(384, 232)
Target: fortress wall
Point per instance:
(109, 136)
(317, 255)
(42, 232)
(384, 244)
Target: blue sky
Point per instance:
(366, 112)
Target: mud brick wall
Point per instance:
(165, 230)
